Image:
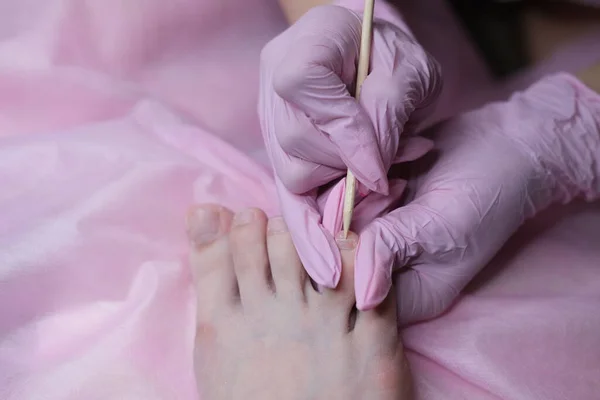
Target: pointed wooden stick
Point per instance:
(363, 70)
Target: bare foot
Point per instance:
(264, 333)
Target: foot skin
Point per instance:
(264, 333)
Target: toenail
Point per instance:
(204, 225)
(348, 243)
(244, 217)
(276, 225)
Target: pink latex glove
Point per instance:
(313, 127)
(497, 166)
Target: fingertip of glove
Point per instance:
(373, 272)
(329, 278)
(318, 278)
(366, 186)
(321, 259)
(370, 296)
(364, 304)
(382, 186)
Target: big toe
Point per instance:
(210, 259)
(337, 306)
(376, 338)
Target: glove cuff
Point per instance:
(383, 11)
(567, 146)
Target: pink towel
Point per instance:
(117, 115)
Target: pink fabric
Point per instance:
(114, 117)
(96, 303)
(97, 169)
(528, 327)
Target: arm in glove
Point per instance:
(314, 129)
(497, 167)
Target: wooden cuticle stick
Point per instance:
(364, 58)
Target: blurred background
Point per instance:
(503, 30)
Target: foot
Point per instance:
(264, 332)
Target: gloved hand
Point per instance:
(313, 127)
(497, 166)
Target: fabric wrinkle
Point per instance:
(114, 119)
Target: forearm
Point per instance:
(548, 29)
(576, 158)
(564, 116)
(294, 9)
(591, 77)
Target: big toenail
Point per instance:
(204, 225)
(244, 217)
(348, 243)
(276, 225)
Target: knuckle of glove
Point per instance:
(289, 77)
(422, 68)
(291, 138)
(295, 176)
(297, 70)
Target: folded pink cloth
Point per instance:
(115, 116)
(96, 303)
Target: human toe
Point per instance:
(289, 277)
(338, 305)
(250, 258)
(209, 258)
